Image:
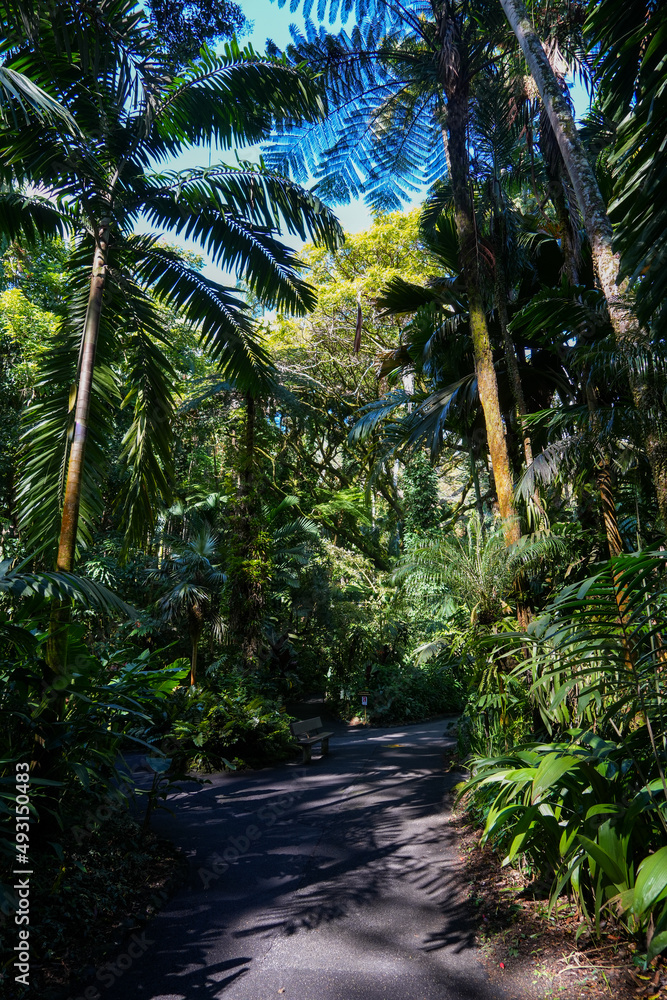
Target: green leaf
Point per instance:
(608, 865)
(658, 944)
(651, 884)
(566, 841)
(552, 768)
(82, 773)
(602, 809)
(498, 818)
(159, 764)
(521, 831)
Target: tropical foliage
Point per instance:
(427, 461)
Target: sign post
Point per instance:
(364, 702)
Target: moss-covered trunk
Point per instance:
(589, 198)
(511, 359)
(596, 222)
(250, 545)
(457, 133)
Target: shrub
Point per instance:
(231, 726)
(591, 806)
(587, 815)
(409, 693)
(71, 729)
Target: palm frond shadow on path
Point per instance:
(335, 881)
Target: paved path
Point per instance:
(334, 881)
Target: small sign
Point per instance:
(364, 700)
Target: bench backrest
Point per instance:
(307, 727)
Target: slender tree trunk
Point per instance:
(591, 203)
(195, 620)
(248, 470)
(56, 650)
(487, 383)
(569, 248)
(596, 222)
(193, 663)
(512, 362)
(74, 483)
(524, 611)
(247, 591)
(478, 493)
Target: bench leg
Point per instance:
(325, 746)
(307, 754)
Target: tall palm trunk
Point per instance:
(56, 653)
(589, 199)
(249, 468)
(510, 356)
(195, 627)
(569, 246)
(487, 383)
(74, 482)
(475, 481)
(596, 222)
(524, 611)
(247, 591)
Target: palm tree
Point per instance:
(443, 410)
(436, 343)
(95, 183)
(631, 63)
(479, 570)
(589, 198)
(194, 578)
(629, 41)
(399, 93)
(640, 140)
(600, 426)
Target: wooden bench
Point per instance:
(309, 733)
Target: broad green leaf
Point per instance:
(658, 944)
(550, 771)
(603, 808)
(608, 865)
(497, 818)
(651, 884)
(521, 831)
(159, 764)
(82, 773)
(566, 841)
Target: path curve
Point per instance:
(339, 880)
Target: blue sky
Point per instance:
(268, 20)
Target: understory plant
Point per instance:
(589, 807)
(229, 726)
(71, 733)
(410, 692)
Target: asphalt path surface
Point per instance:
(338, 880)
